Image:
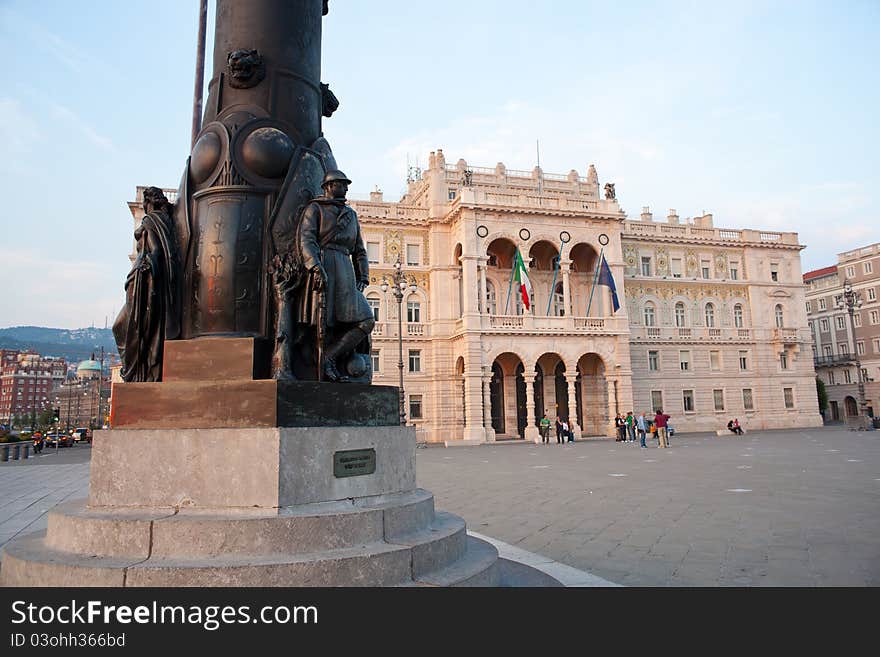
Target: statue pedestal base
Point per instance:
(252, 507)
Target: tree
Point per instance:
(822, 395)
(45, 419)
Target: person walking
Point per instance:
(620, 424)
(630, 426)
(560, 436)
(661, 420)
(642, 428)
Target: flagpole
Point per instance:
(510, 284)
(553, 283)
(595, 277)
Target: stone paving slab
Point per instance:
(775, 508)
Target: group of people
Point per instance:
(734, 427)
(563, 432)
(631, 425)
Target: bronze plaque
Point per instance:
(354, 462)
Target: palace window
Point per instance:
(788, 396)
(704, 267)
(415, 360)
(748, 402)
(857, 319)
(412, 255)
(649, 314)
(646, 266)
(715, 360)
(867, 267)
(687, 400)
(839, 321)
(718, 397)
(860, 347)
(490, 298)
(780, 318)
(809, 307)
(710, 315)
(374, 356)
(872, 294)
(850, 272)
(734, 271)
(847, 377)
(843, 348)
(738, 316)
(415, 407)
(823, 325)
(413, 312)
(743, 360)
(684, 360)
(783, 361)
(826, 351)
(675, 267)
(874, 316)
(374, 303)
(653, 360)
(656, 399)
(774, 271)
(821, 304)
(679, 314)
(373, 252)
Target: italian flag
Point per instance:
(522, 278)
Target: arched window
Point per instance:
(413, 310)
(679, 314)
(738, 316)
(649, 314)
(780, 318)
(710, 315)
(375, 304)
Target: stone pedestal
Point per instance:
(216, 504)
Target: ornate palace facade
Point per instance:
(711, 325)
(712, 322)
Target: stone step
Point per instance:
(437, 546)
(478, 567)
(139, 534)
(29, 562)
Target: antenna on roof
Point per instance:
(538, 150)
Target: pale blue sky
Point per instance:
(764, 113)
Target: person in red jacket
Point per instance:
(660, 419)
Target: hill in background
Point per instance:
(73, 345)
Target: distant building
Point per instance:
(83, 400)
(26, 383)
(836, 341)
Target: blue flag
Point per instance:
(605, 278)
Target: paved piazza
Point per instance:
(774, 508)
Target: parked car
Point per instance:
(59, 440)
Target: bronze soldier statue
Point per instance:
(151, 311)
(331, 301)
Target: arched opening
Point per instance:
(780, 316)
(551, 395)
(738, 315)
(591, 393)
(850, 406)
(680, 315)
(496, 397)
(543, 257)
(507, 393)
(583, 265)
(710, 315)
(648, 314)
(499, 265)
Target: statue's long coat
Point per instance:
(329, 234)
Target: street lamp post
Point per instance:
(851, 301)
(398, 286)
(99, 422)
